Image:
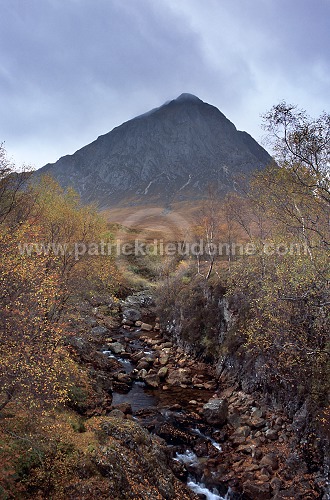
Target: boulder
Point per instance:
(216, 411)
(140, 299)
(116, 348)
(163, 360)
(127, 322)
(146, 327)
(142, 374)
(162, 372)
(131, 315)
(269, 460)
(167, 345)
(179, 377)
(124, 377)
(142, 365)
(137, 356)
(152, 380)
(257, 413)
(271, 434)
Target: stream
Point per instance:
(155, 409)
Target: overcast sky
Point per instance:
(71, 70)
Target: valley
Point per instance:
(132, 369)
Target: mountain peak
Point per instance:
(169, 154)
(187, 97)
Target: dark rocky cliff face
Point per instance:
(171, 153)
(204, 323)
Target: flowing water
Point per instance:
(138, 397)
(141, 398)
(190, 460)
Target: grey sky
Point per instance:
(71, 70)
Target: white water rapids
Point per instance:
(189, 458)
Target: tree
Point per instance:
(37, 279)
(11, 184)
(287, 282)
(302, 145)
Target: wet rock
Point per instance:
(256, 490)
(146, 327)
(163, 360)
(126, 322)
(152, 380)
(149, 359)
(216, 411)
(140, 299)
(116, 348)
(201, 449)
(142, 365)
(121, 387)
(162, 372)
(179, 470)
(102, 362)
(124, 377)
(132, 315)
(154, 342)
(137, 356)
(142, 374)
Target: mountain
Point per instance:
(172, 153)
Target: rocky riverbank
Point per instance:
(235, 440)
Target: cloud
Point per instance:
(70, 71)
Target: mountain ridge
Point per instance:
(170, 153)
